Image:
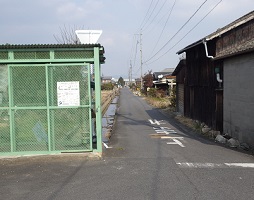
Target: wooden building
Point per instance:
(218, 79)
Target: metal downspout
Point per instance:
(211, 57)
(206, 51)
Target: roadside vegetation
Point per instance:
(158, 99)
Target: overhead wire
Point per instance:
(142, 27)
(186, 33)
(176, 32)
(134, 36)
(146, 13)
(164, 26)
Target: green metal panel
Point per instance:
(39, 114)
(31, 117)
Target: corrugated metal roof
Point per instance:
(36, 46)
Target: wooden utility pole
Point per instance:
(141, 61)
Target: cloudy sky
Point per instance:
(162, 27)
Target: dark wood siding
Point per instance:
(200, 85)
(180, 98)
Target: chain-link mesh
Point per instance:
(31, 130)
(71, 126)
(5, 145)
(69, 74)
(3, 55)
(74, 54)
(22, 55)
(29, 86)
(71, 130)
(38, 122)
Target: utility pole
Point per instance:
(130, 73)
(141, 62)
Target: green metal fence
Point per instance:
(46, 107)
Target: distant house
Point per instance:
(218, 79)
(164, 80)
(138, 82)
(106, 79)
(127, 81)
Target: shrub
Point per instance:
(107, 86)
(160, 94)
(152, 92)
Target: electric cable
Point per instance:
(146, 13)
(164, 26)
(176, 32)
(144, 28)
(186, 33)
(150, 15)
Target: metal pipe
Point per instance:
(206, 51)
(218, 78)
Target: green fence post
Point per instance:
(97, 75)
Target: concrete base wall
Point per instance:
(238, 106)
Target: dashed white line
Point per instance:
(215, 165)
(245, 165)
(170, 137)
(176, 142)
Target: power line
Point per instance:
(164, 26)
(186, 33)
(176, 32)
(150, 15)
(146, 13)
(144, 28)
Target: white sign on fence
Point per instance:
(68, 93)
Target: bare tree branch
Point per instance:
(67, 35)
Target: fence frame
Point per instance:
(80, 54)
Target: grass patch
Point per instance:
(158, 102)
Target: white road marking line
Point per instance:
(162, 128)
(199, 165)
(215, 165)
(170, 137)
(166, 128)
(156, 122)
(106, 146)
(245, 165)
(166, 132)
(176, 142)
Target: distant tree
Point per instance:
(148, 81)
(120, 81)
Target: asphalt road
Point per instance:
(150, 156)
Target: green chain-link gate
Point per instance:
(46, 108)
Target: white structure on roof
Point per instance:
(88, 36)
